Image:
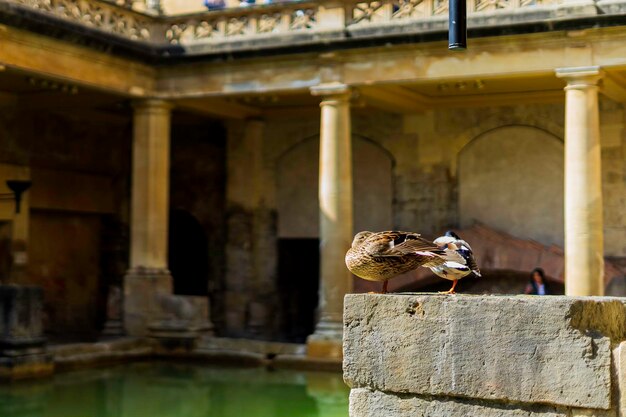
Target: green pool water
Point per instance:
(159, 389)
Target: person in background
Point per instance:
(537, 284)
(214, 4)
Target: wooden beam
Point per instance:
(395, 99)
(218, 108)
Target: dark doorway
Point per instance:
(188, 254)
(298, 285)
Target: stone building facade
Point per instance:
(180, 153)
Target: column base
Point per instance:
(326, 342)
(143, 290)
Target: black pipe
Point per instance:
(457, 29)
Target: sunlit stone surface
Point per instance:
(473, 355)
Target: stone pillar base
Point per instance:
(326, 342)
(488, 356)
(144, 289)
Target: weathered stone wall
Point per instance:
(417, 354)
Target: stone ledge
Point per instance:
(366, 403)
(523, 349)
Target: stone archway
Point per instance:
(511, 178)
(297, 188)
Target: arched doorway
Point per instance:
(188, 254)
(511, 179)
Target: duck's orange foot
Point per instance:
(451, 290)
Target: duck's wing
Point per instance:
(397, 243)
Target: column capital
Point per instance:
(333, 90)
(580, 77)
(152, 104)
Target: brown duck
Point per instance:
(381, 256)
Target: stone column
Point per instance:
(148, 276)
(584, 250)
(335, 202)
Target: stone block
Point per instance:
(521, 349)
(143, 290)
(21, 312)
(22, 345)
(367, 403)
(184, 320)
(619, 359)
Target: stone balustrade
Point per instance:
(291, 23)
(435, 355)
(104, 16)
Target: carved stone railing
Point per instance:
(263, 21)
(102, 15)
(286, 23)
(392, 11)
